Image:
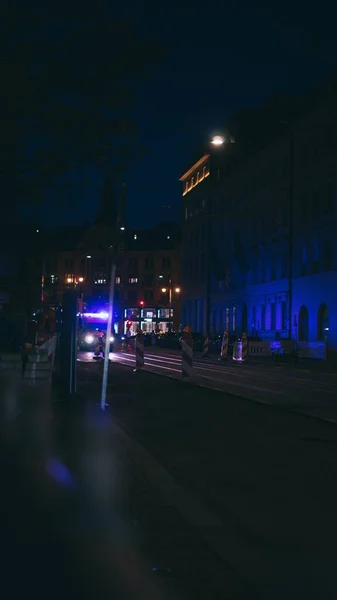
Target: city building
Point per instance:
(259, 235)
(147, 285)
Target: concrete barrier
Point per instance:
(32, 365)
(313, 350)
(258, 349)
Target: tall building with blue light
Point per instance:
(260, 233)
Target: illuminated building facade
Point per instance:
(147, 286)
(260, 236)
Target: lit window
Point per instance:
(100, 281)
(133, 279)
(118, 280)
(69, 278)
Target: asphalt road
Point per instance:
(257, 484)
(310, 390)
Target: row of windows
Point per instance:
(262, 267)
(101, 263)
(102, 279)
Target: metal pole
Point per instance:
(119, 228)
(208, 272)
(108, 333)
(291, 234)
(170, 308)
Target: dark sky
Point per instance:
(220, 57)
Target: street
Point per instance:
(257, 484)
(303, 388)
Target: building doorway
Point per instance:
(322, 323)
(303, 324)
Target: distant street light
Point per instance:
(81, 279)
(218, 140)
(176, 290)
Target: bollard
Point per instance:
(206, 347)
(224, 346)
(237, 351)
(139, 350)
(244, 347)
(187, 353)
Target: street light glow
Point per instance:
(88, 256)
(177, 290)
(80, 279)
(164, 290)
(218, 140)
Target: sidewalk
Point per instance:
(78, 505)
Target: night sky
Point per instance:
(220, 57)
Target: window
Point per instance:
(263, 317)
(133, 264)
(132, 296)
(284, 265)
(118, 280)
(149, 279)
(149, 263)
(166, 262)
(315, 258)
(202, 265)
(284, 315)
(273, 265)
(328, 199)
(263, 267)
(273, 316)
(69, 264)
(303, 268)
(327, 255)
(253, 317)
(100, 278)
(133, 279)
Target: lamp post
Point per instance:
(169, 290)
(217, 141)
(120, 228)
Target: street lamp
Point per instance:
(217, 140)
(176, 290)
